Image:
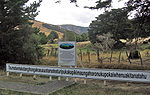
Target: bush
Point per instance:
(119, 45)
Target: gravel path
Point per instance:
(37, 89)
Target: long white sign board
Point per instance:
(67, 53)
(103, 74)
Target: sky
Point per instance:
(67, 13)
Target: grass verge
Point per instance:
(100, 89)
(10, 92)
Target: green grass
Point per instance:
(49, 46)
(10, 92)
(86, 89)
(145, 46)
(94, 88)
(97, 89)
(54, 45)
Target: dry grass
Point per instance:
(124, 63)
(50, 60)
(79, 44)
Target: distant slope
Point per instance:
(76, 29)
(54, 27)
(59, 29)
(44, 27)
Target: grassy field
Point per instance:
(97, 88)
(93, 87)
(85, 89)
(51, 58)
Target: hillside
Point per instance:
(60, 29)
(76, 29)
(54, 27)
(45, 28)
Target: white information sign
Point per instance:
(103, 74)
(67, 53)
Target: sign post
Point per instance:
(67, 53)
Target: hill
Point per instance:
(76, 29)
(47, 28)
(60, 29)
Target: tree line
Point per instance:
(20, 42)
(72, 36)
(114, 24)
(48, 39)
(53, 37)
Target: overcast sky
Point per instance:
(67, 13)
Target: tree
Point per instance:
(78, 38)
(106, 42)
(53, 35)
(100, 4)
(43, 38)
(18, 40)
(82, 37)
(141, 9)
(114, 22)
(69, 36)
(141, 20)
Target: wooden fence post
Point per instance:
(111, 56)
(88, 53)
(119, 57)
(98, 55)
(81, 54)
(128, 57)
(48, 52)
(141, 59)
(55, 51)
(52, 51)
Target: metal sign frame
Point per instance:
(67, 53)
